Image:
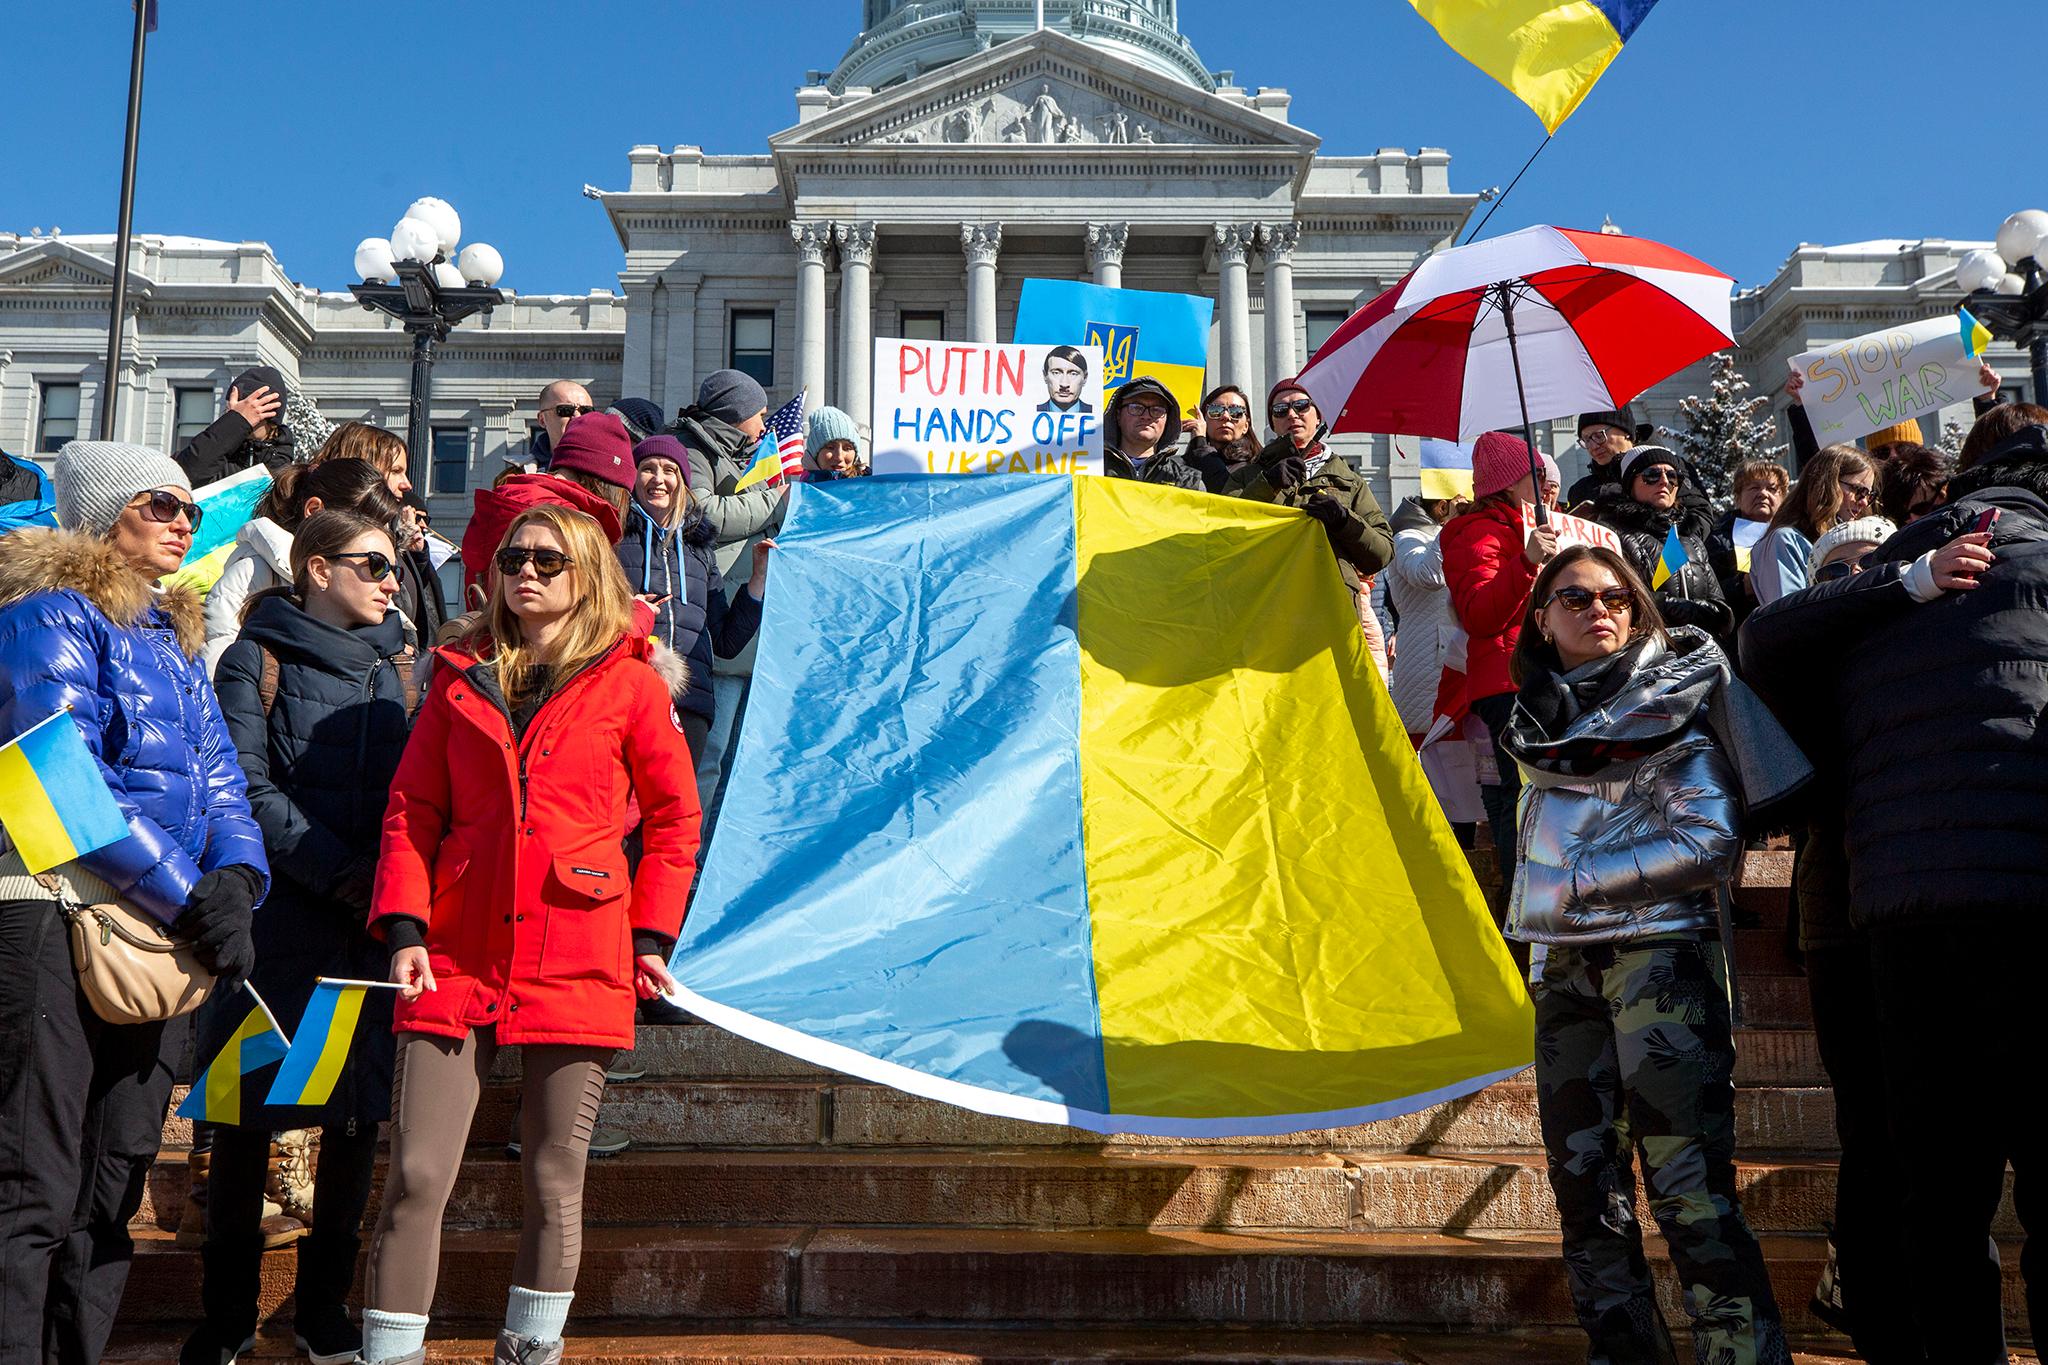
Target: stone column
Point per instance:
(679, 375)
(1106, 253)
(856, 332)
(981, 242)
(1276, 246)
(1234, 304)
(811, 239)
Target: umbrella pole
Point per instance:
(1506, 299)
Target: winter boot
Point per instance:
(290, 1179)
(231, 1279)
(517, 1350)
(192, 1219)
(320, 1325)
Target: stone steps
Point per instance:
(1097, 1277)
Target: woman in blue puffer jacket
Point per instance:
(84, 629)
(666, 553)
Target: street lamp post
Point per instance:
(409, 277)
(2008, 290)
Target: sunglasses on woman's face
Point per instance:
(1578, 601)
(1659, 474)
(376, 567)
(1840, 569)
(1230, 410)
(1281, 409)
(546, 563)
(162, 505)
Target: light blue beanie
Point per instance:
(826, 425)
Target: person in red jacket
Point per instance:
(504, 894)
(592, 471)
(1491, 555)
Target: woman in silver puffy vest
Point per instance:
(1630, 823)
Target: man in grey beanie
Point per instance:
(97, 479)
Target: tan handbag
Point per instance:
(130, 967)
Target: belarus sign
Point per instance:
(947, 407)
(1878, 380)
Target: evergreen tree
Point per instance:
(307, 426)
(1723, 429)
(1951, 442)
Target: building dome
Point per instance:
(902, 39)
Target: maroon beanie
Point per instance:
(1499, 461)
(596, 443)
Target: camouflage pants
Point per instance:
(1638, 1035)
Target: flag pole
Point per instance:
(111, 396)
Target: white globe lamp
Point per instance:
(414, 240)
(481, 264)
(2010, 284)
(1979, 269)
(447, 276)
(373, 260)
(2021, 235)
(441, 214)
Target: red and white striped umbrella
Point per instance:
(1541, 323)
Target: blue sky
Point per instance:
(1731, 128)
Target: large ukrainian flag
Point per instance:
(226, 507)
(1083, 804)
(1548, 53)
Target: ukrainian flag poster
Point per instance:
(1120, 830)
(1142, 334)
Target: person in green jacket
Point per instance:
(1297, 470)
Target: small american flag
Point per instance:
(786, 429)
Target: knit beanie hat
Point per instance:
(826, 425)
(1499, 461)
(1904, 432)
(662, 447)
(261, 377)
(731, 396)
(641, 416)
(96, 479)
(1551, 474)
(1642, 457)
(596, 443)
(1286, 386)
(1623, 417)
(1875, 530)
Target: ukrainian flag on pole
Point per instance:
(216, 1097)
(53, 801)
(326, 1030)
(1548, 53)
(1670, 559)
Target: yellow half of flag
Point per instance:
(1548, 53)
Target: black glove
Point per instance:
(1286, 471)
(353, 884)
(218, 916)
(1325, 509)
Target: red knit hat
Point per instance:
(1498, 461)
(1284, 386)
(596, 443)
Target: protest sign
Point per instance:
(1573, 530)
(948, 407)
(1142, 334)
(1880, 379)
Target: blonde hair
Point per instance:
(603, 610)
(361, 441)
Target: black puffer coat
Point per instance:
(697, 619)
(1692, 596)
(320, 766)
(1936, 708)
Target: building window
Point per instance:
(753, 346)
(192, 414)
(1322, 322)
(59, 421)
(451, 460)
(922, 326)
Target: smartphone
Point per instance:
(1985, 521)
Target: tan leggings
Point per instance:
(433, 1099)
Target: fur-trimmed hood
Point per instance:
(38, 560)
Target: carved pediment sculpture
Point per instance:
(1036, 112)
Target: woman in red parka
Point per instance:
(504, 894)
(1491, 556)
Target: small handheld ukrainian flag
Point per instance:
(1670, 559)
(216, 1097)
(326, 1030)
(53, 801)
(1446, 469)
(1548, 53)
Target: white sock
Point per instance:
(532, 1315)
(392, 1336)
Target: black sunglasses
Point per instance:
(1577, 601)
(162, 505)
(377, 565)
(546, 563)
(1222, 410)
(1840, 569)
(1291, 405)
(572, 409)
(1658, 474)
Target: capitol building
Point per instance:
(954, 151)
